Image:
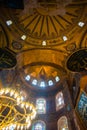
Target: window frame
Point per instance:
(42, 123)
(66, 126)
(44, 105)
(61, 98)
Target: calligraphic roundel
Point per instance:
(7, 59)
(77, 61)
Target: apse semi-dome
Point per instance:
(41, 76)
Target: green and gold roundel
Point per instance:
(77, 61)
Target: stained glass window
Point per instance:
(39, 125)
(59, 101)
(63, 123)
(41, 106)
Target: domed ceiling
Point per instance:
(38, 25)
(44, 34)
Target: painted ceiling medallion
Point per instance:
(77, 61)
(7, 59)
(46, 7)
(71, 47)
(17, 45)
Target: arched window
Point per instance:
(39, 125)
(63, 123)
(59, 101)
(41, 105)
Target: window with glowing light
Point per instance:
(8, 22)
(57, 78)
(50, 82)
(27, 78)
(59, 101)
(65, 38)
(23, 37)
(34, 82)
(41, 106)
(39, 125)
(42, 84)
(63, 123)
(81, 24)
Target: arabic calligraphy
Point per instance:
(7, 59)
(77, 62)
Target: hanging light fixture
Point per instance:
(15, 114)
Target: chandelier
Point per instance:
(15, 113)
(53, 7)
